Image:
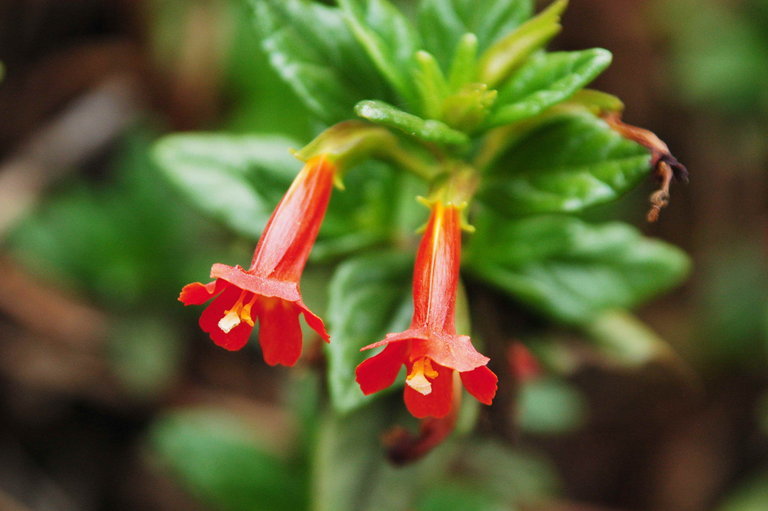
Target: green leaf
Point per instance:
(236, 179)
(350, 471)
(545, 80)
(139, 242)
(313, 50)
(569, 269)
(443, 22)
(426, 130)
(145, 353)
(512, 50)
(550, 406)
(217, 457)
(511, 476)
(458, 496)
(369, 297)
(388, 38)
(623, 338)
(750, 495)
(376, 207)
(431, 83)
(565, 163)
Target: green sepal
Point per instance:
(349, 143)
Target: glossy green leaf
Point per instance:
(236, 179)
(388, 38)
(217, 457)
(422, 129)
(509, 53)
(369, 297)
(566, 163)
(545, 80)
(360, 215)
(376, 207)
(314, 51)
(443, 22)
(572, 270)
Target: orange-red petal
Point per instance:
(198, 293)
(379, 372)
(279, 333)
(313, 321)
(481, 383)
(258, 285)
(236, 338)
(437, 403)
(209, 319)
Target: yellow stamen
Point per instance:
(417, 378)
(237, 314)
(245, 313)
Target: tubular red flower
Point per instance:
(269, 290)
(430, 348)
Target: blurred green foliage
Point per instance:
(720, 53)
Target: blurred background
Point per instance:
(111, 399)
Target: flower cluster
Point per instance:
(434, 355)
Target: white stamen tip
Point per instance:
(420, 384)
(230, 320)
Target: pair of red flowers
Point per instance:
(269, 291)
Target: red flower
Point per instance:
(269, 290)
(430, 348)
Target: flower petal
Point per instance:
(238, 336)
(314, 321)
(258, 285)
(437, 403)
(454, 351)
(380, 371)
(197, 293)
(235, 339)
(209, 319)
(279, 332)
(481, 383)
